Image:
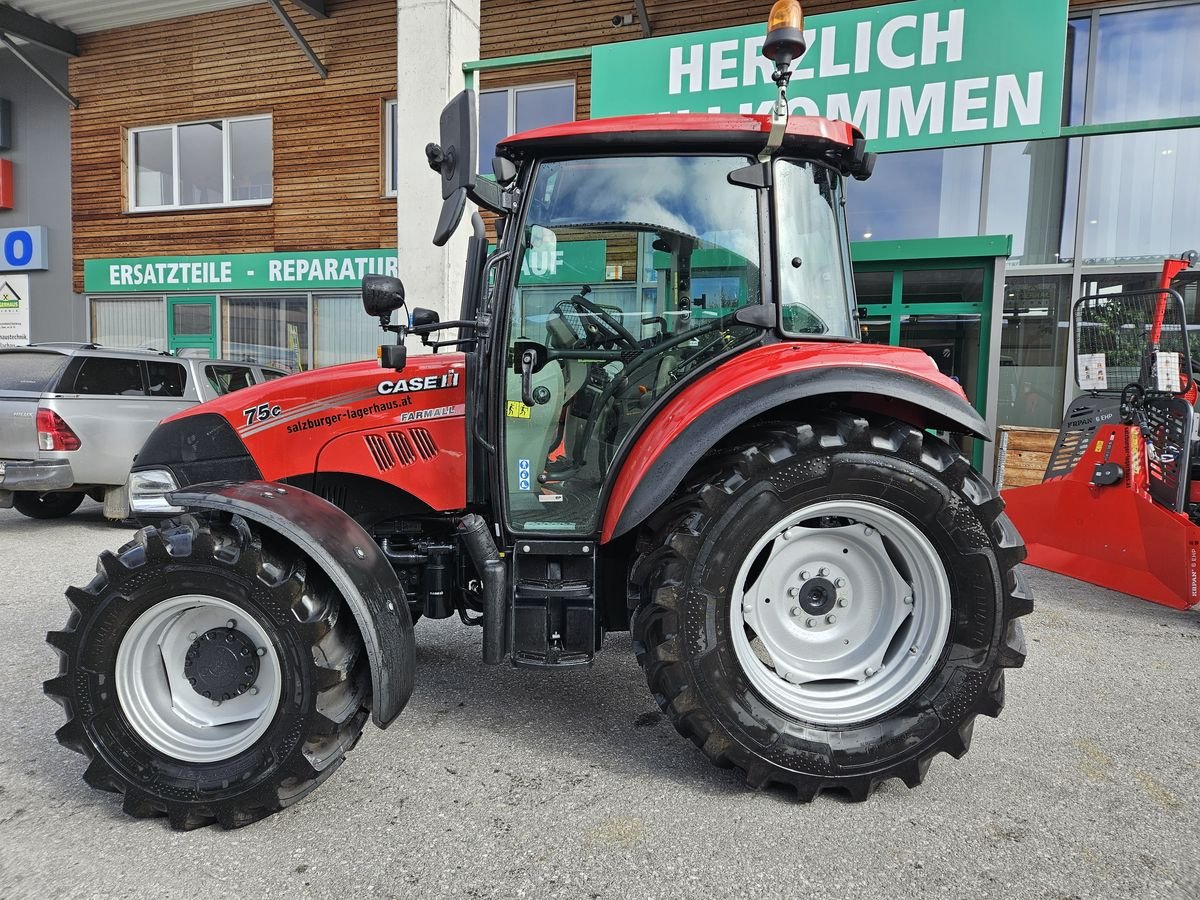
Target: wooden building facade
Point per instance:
(228, 197)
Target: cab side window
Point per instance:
(226, 379)
(167, 379)
(114, 377)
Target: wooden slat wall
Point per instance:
(513, 27)
(327, 134)
(516, 27)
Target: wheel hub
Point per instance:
(221, 664)
(818, 596)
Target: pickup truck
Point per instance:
(73, 416)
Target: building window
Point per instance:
(224, 162)
(341, 332)
(267, 330)
(1139, 200)
(919, 194)
(1033, 194)
(1145, 65)
(391, 134)
(129, 322)
(511, 110)
(1034, 342)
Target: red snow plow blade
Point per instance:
(1114, 536)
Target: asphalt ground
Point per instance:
(499, 783)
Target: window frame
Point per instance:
(391, 136)
(511, 92)
(226, 174)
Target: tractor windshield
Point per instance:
(632, 270)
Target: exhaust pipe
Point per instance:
(473, 530)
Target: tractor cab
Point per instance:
(700, 236)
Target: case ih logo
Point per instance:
(428, 383)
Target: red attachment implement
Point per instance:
(1119, 516)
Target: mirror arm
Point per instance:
(491, 196)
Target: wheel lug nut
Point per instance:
(908, 601)
(810, 623)
(868, 530)
(830, 619)
(803, 575)
(261, 651)
(252, 691)
(793, 592)
(822, 572)
(870, 671)
(796, 611)
(192, 635)
(232, 623)
(843, 602)
(216, 703)
(841, 582)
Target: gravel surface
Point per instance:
(504, 783)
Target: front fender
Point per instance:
(351, 560)
(894, 382)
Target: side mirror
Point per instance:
(382, 295)
(422, 317)
(455, 159)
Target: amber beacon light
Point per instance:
(785, 33)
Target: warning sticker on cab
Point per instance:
(515, 409)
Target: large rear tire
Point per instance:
(209, 675)
(53, 505)
(828, 606)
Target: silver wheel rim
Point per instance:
(160, 704)
(840, 612)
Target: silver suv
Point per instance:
(73, 416)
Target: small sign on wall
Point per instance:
(14, 310)
(23, 249)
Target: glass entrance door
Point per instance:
(191, 326)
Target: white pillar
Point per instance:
(434, 39)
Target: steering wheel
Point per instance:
(603, 328)
(1131, 402)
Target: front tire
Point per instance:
(830, 605)
(54, 505)
(209, 675)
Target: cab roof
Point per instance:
(684, 132)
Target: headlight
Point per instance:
(148, 491)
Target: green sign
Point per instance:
(317, 270)
(926, 73)
(564, 262)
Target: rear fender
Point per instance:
(351, 560)
(676, 440)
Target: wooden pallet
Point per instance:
(1022, 455)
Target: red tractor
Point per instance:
(821, 592)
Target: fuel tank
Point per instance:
(403, 428)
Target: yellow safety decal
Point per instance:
(518, 410)
(1099, 446)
